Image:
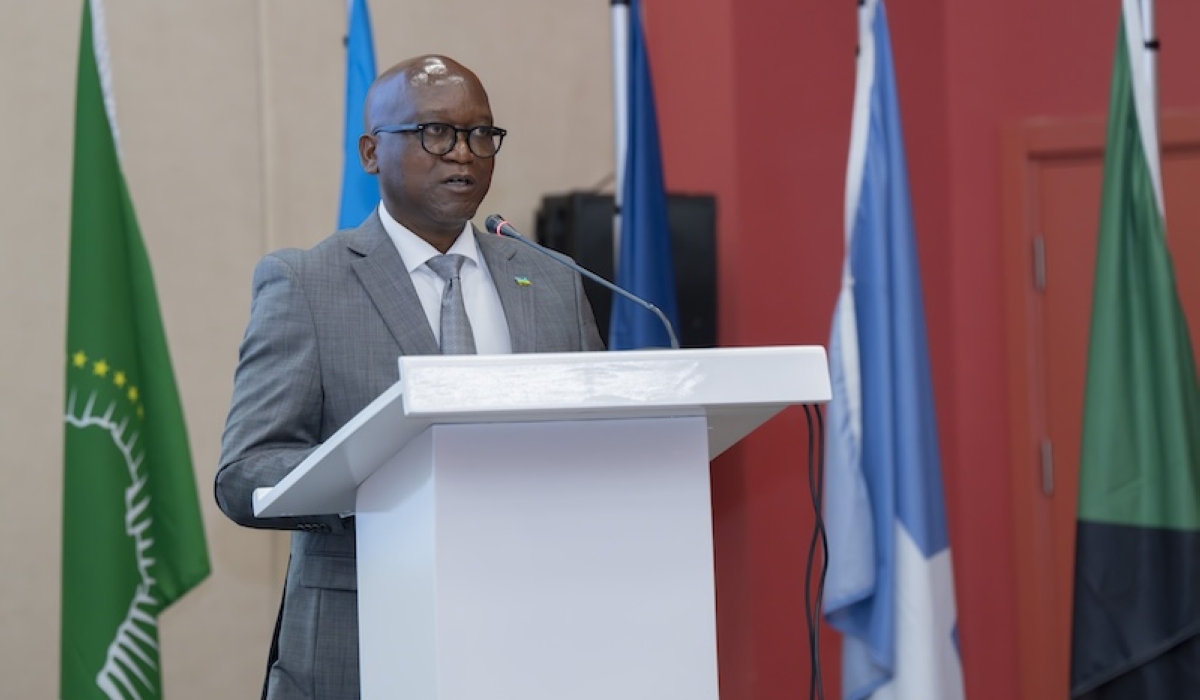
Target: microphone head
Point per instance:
(493, 224)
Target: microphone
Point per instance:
(499, 225)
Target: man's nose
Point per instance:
(462, 149)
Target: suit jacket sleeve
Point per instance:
(274, 418)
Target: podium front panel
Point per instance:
(540, 561)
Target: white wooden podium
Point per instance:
(539, 526)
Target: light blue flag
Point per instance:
(890, 586)
(645, 265)
(360, 191)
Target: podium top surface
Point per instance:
(736, 389)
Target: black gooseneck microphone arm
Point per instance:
(499, 226)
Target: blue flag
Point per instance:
(890, 586)
(644, 265)
(360, 191)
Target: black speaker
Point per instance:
(580, 225)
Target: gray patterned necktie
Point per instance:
(457, 337)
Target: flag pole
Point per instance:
(620, 65)
(1138, 16)
(1150, 47)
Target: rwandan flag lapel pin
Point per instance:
(523, 281)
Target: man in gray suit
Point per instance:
(327, 324)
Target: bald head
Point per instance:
(393, 90)
(433, 193)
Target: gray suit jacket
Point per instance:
(326, 326)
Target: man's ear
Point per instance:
(366, 154)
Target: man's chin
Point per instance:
(458, 216)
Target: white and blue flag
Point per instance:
(890, 585)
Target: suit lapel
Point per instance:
(506, 268)
(385, 277)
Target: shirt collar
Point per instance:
(416, 251)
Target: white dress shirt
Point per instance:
(488, 322)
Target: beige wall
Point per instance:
(230, 115)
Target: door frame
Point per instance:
(1023, 145)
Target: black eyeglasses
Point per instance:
(438, 138)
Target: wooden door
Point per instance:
(1052, 180)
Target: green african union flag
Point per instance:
(133, 538)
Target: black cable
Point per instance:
(818, 545)
(819, 509)
(812, 625)
(813, 611)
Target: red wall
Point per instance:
(754, 101)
